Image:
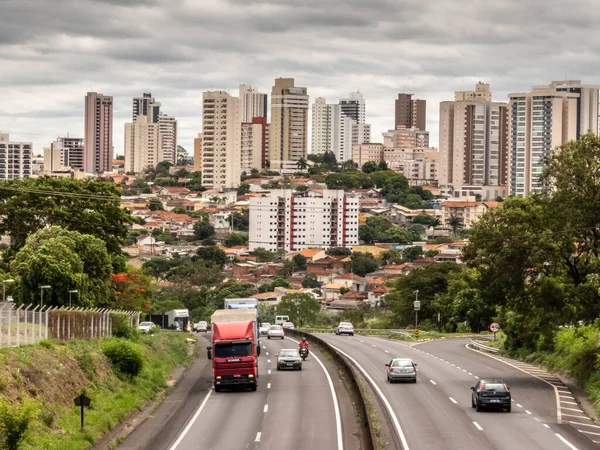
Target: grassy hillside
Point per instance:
(47, 377)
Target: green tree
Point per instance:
(456, 223)
(299, 262)
(339, 251)
(370, 167)
(381, 176)
(395, 189)
(311, 281)
(155, 204)
(426, 219)
(398, 235)
(179, 210)
(203, 230)
(365, 234)
(412, 253)
(417, 231)
(64, 260)
(277, 282)
(348, 180)
(243, 189)
(212, 254)
(87, 206)
(392, 256)
(236, 239)
(363, 263)
(301, 308)
(413, 201)
(158, 267)
(301, 164)
(263, 255)
(241, 221)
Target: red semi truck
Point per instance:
(233, 349)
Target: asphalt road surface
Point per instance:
(290, 410)
(436, 413)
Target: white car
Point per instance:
(288, 326)
(264, 328)
(201, 326)
(275, 331)
(145, 327)
(345, 328)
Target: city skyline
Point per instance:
(47, 69)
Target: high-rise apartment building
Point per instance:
(253, 103)
(198, 153)
(142, 144)
(66, 152)
(406, 139)
(254, 144)
(167, 126)
(542, 120)
(15, 158)
(473, 140)
(354, 108)
(332, 130)
(146, 105)
(98, 133)
(410, 113)
(284, 220)
(221, 140)
(288, 132)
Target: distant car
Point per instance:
(275, 331)
(345, 328)
(145, 327)
(491, 393)
(264, 328)
(288, 326)
(201, 327)
(289, 358)
(401, 369)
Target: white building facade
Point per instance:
(354, 107)
(253, 103)
(167, 126)
(142, 144)
(15, 158)
(283, 220)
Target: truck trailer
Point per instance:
(234, 349)
(251, 304)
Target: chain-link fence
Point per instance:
(29, 324)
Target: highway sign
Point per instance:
(494, 327)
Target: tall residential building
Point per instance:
(354, 107)
(198, 153)
(253, 103)
(406, 138)
(410, 113)
(142, 144)
(15, 158)
(473, 140)
(284, 220)
(146, 105)
(288, 132)
(221, 140)
(167, 126)
(331, 130)
(98, 133)
(254, 141)
(542, 120)
(68, 151)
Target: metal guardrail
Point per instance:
(482, 347)
(404, 331)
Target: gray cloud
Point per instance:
(53, 51)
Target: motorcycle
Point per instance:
(303, 353)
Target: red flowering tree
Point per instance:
(133, 291)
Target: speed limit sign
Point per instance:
(494, 327)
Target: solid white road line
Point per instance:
(257, 437)
(381, 396)
(452, 400)
(433, 382)
(477, 426)
(191, 422)
(266, 408)
(336, 405)
(567, 443)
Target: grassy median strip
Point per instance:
(43, 380)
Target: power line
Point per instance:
(61, 194)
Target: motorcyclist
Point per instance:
(304, 344)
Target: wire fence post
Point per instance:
(33, 313)
(26, 323)
(19, 325)
(9, 334)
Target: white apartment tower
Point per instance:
(66, 152)
(325, 127)
(288, 131)
(221, 140)
(167, 126)
(253, 103)
(15, 158)
(542, 120)
(354, 107)
(473, 140)
(98, 133)
(142, 144)
(283, 220)
(146, 105)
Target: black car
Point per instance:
(491, 394)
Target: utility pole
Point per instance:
(417, 305)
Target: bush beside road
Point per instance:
(47, 377)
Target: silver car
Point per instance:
(275, 332)
(401, 369)
(264, 328)
(289, 358)
(345, 328)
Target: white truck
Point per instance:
(238, 315)
(178, 319)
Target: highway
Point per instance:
(436, 412)
(291, 410)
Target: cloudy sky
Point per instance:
(54, 51)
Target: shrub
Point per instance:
(47, 344)
(14, 422)
(87, 363)
(124, 357)
(122, 329)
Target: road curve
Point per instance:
(436, 412)
(290, 409)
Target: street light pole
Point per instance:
(4, 288)
(417, 305)
(42, 289)
(74, 291)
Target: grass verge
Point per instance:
(52, 374)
